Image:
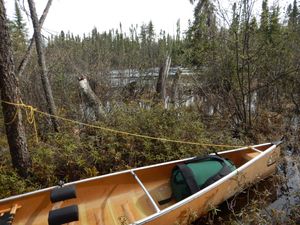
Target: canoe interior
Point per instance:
(114, 199)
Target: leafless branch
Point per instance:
(28, 53)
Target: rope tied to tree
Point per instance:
(30, 115)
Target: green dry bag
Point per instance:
(193, 175)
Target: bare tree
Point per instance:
(174, 89)
(91, 106)
(10, 93)
(162, 79)
(28, 52)
(42, 63)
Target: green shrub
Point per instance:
(12, 184)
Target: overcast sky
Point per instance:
(81, 16)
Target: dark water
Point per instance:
(288, 193)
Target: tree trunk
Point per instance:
(162, 79)
(42, 63)
(92, 104)
(10, 92)
(174, 93)
(28, 53)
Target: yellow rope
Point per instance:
(29, 110)
(31, 119)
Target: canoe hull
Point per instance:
(132, 196)
(212, 196)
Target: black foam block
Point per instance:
(63, 193)
(63, 215)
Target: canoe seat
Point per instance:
(63, 193)
(60, 194)
(63, 215)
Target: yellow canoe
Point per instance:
(132, 196)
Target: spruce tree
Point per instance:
(265, 21)
(293, 14)
(19, 21)
(18, 34)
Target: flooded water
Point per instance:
(288, 194)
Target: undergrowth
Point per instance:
(80, 152)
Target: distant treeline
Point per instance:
(98, 52)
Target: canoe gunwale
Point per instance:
(15, 197)
(212, 186)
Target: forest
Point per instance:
(231, 78)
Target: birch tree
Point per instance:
(28, 52)
(42, 63)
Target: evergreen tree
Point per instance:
(19, 21)
(151, 45)
(19, 34)
(274, 24)
(201, 34)
(265, 20)
(293, 14)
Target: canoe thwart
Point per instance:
(146, 191)
(63, 215)
(63, 193)
(11, 210)
(255, 149)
